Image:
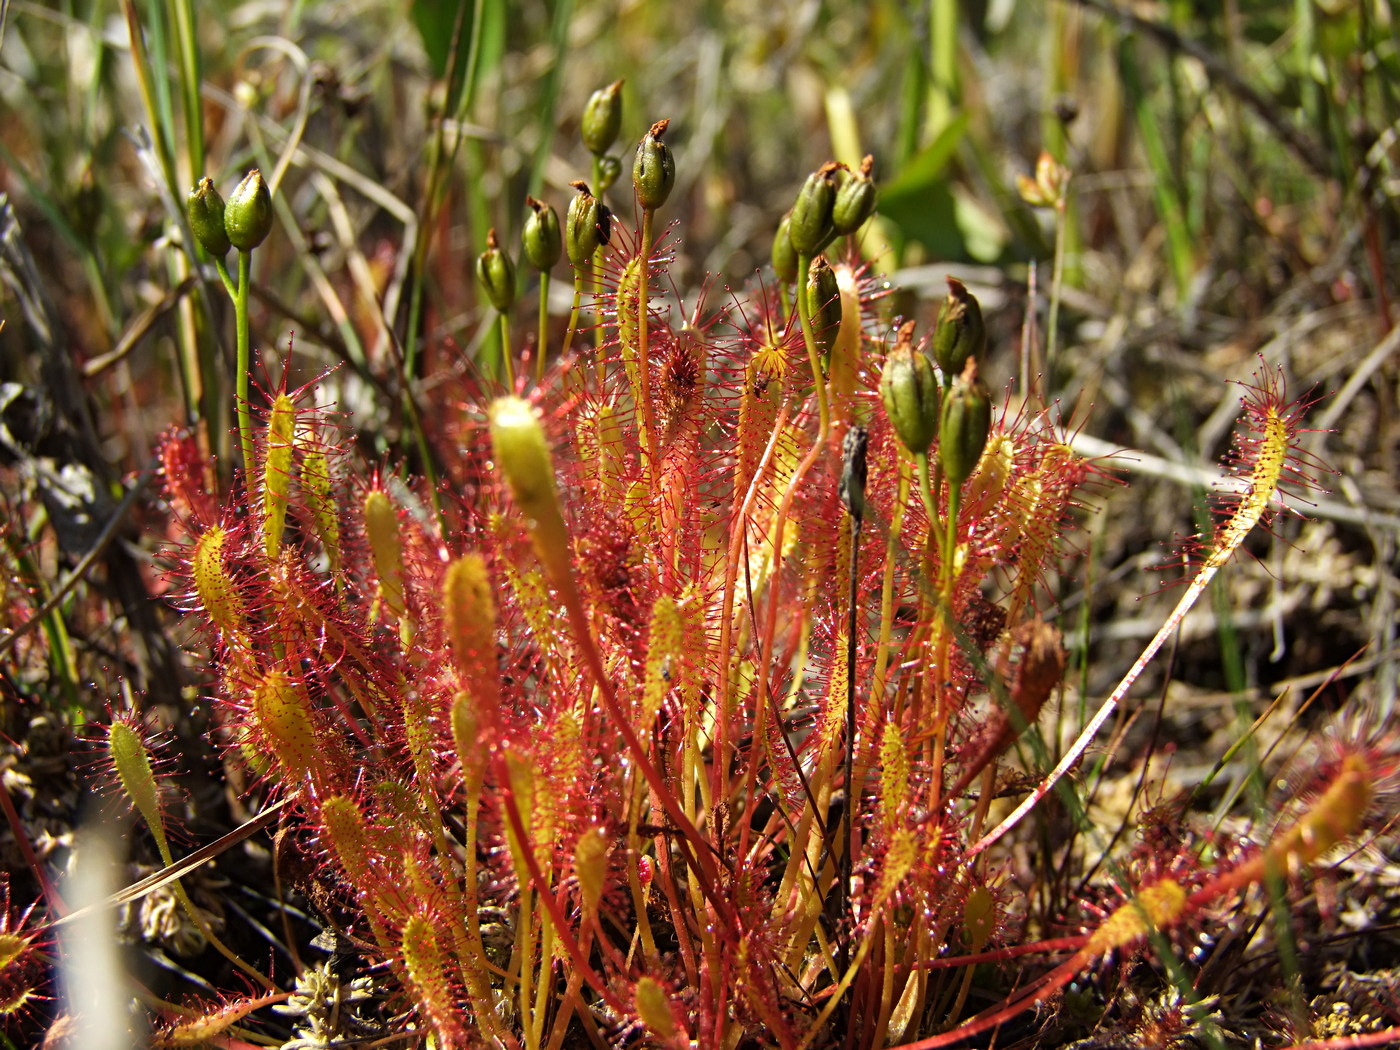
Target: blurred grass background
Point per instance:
(1233, 194)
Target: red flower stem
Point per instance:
(1072, 756)
(737, 536)
(804, 264)
(547, 898)
(1030, 996)
(691, 843)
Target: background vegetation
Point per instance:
(1232, 195)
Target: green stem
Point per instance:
(926, 488)
(1056, 279)
(504, 324)
(573, 313)
(804, 266)
(595, 291)
(240, 314)
(544, 326)
(947, 577)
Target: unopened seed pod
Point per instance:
(205, 209)
(602, 118)
(967, 419)
(609, 171)
(248, 214)
(960, 333)
(823, 303)
(542, 238)
(784, 254)
(653, 169)
(855, 199)
(496, 273)
(909, 390)
(587, 226)
(810, 227)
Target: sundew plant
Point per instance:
(685, 671)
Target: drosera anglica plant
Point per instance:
(669, 727)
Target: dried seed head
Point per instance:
(496, 274)
(542, 238)
(205, 208)
(960, 333)
(602, 118)
(854, 470)
(909, 390)
(1047, 189)
(653, 169)
(248, 214)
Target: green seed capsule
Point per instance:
(967, 419)
(542, 239)
(587, 226)
(909, 390)
(823, 303)
(609, 171)
(496, 273)
(205, 209)
(810, 227)
(248, 214)
(960, 334)
(784, 254)
(855, 199)
(602, 118)
(654, 169)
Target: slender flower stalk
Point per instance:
(496, 274)
(543, 243)
(653, 177)
(242, 223)
(1267, 455)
